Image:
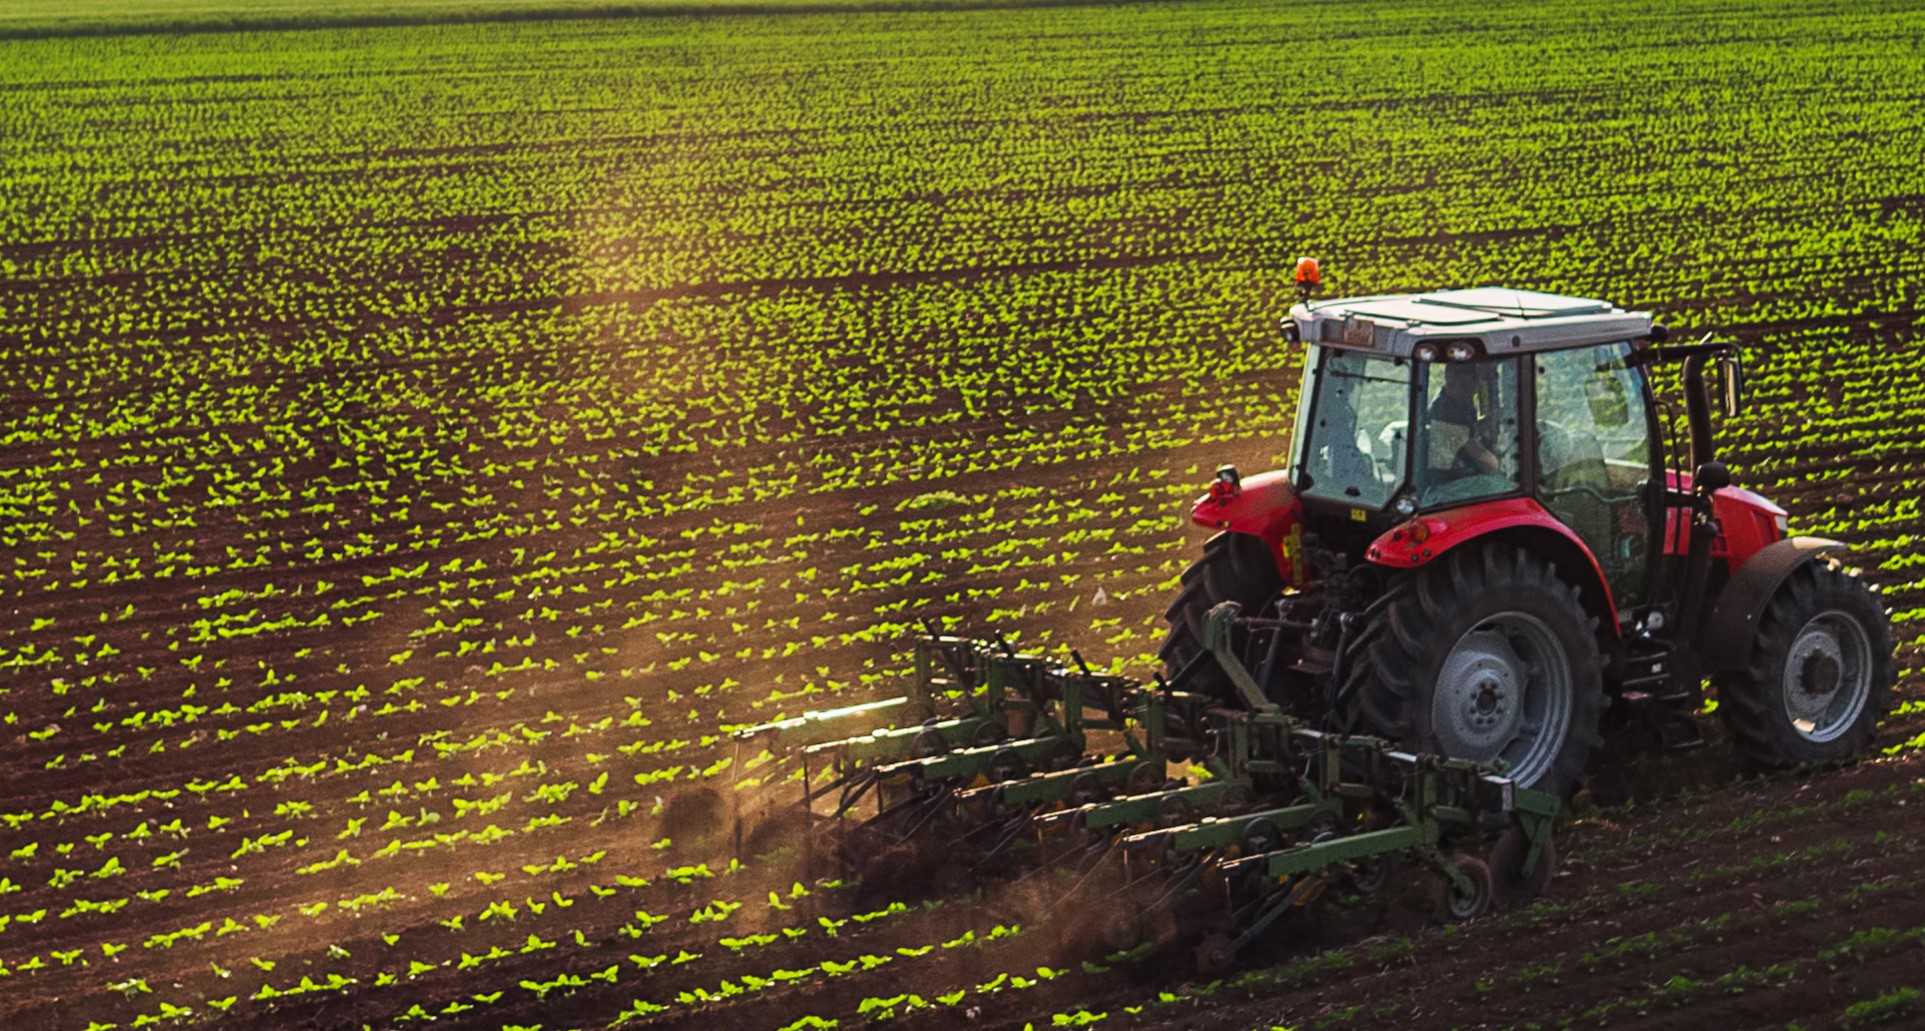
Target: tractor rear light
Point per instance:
(1228, 484)
(1411, 534)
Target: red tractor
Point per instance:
(1484, 542)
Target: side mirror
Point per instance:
(1731, 374)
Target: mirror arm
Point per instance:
(1697, 408)
(1731, 370)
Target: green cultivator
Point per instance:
(1056, 779)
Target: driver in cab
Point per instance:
(1459, 437)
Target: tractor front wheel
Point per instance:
(1820, 674)
(1235, 567)
(1487, 655)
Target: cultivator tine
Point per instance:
(926, 810)
(853, 787)
(1008, 649)
(1002, 831)
(1005, 841)
(1176, 879)
(1270, 908)
(945, 664)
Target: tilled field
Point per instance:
(421, 444)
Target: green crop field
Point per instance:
(428, 428)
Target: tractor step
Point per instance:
(1647, 669)
(1648, 682)
(1670, 698)
(1670, 717)
(1681, 734)
(1310, 667)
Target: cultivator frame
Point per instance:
(1071, 767)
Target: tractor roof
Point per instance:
(1498, 320)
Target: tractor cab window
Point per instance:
(1352, 448)
(1594, 457)
(1468, 434)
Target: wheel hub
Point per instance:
(1821, 674)
(1479, 689)
(1827, 676)
(1504, 692)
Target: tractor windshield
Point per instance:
(1467, 439)
(1352, 423)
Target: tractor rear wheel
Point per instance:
(1820, 675)
(1484, 654)
(1235, 567)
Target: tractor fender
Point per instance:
(1421, 539)
(1266, 507)
(1728, 633)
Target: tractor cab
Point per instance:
(1420, 404)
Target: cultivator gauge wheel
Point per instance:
(928, 745)
(1465, 891)
(1144, 777)
(1367, 876)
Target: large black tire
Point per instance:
(1235, 567)
(1475, 646)
(1820, 675)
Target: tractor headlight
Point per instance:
(1424, 352)
(1460, 352)
(1405, 506)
